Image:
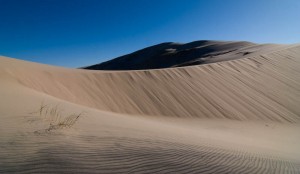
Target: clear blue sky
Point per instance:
(74, 33)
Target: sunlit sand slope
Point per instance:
(264, 87)
(238, 116)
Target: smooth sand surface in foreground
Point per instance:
(237, 116)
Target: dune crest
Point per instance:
(239, 89)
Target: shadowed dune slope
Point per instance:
(263, 87)
(172, 54)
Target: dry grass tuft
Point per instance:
(56, 117)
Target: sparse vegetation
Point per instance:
(56, 117)
(67, 122)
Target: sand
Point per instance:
(236, 116)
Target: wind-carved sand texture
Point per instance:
(234, 116)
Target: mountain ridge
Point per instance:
(174, 54)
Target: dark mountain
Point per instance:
(172, 54)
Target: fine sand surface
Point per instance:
(236, 116)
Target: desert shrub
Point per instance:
(54, 115)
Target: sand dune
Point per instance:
(236, 116)
(171, 54)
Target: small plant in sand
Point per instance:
(66, 122)
(56, 117)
